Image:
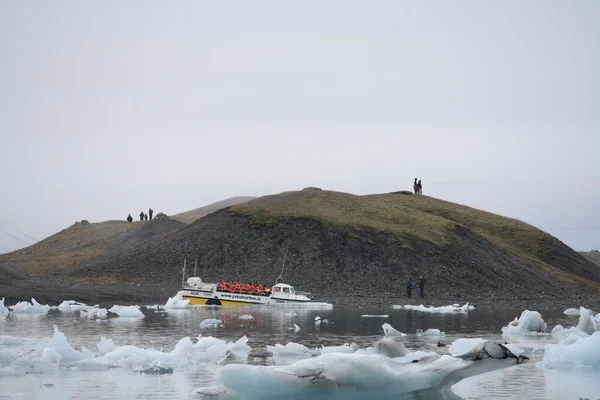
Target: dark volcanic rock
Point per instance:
(331, 263)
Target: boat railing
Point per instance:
(299, 293)
(205, 287)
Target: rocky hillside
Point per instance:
(82, 242)
(593, 256)
(193, 215)
(359, 248)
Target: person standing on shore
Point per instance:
(146, 217)
(141, 216)
(129, 219)
(150, 212)
(415, 186)
(409, 285)
(420, 187)
(422, 286)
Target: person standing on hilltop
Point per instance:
(141, 216)
(420, 187)
(409, 285)
(422, 286)
(416, 186)
(150, 212)
(129, 219)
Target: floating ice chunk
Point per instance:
(296, 328)
(177, 302)
(106, 346)
(388, 330)
(375, 316)
(390, 348)
(240, 347)
(572, 311)
(127, 311)
(216, 392)
(583, 352)
(466, 348)
(431, 332)
(291, 314)
(93, 313)
(210, 323)
(23, 307)
(529, 323)
(291, 350)
(61, 345)
(345, 348)
(246, 317)
(587, 323)
(343, 376)
(452, 309)
(72, 305)
(156, 307)
(3, 310)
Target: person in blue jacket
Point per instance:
(409, 285)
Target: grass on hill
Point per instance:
(190, 216)
(409, 216)
(85, 241)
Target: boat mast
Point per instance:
(183, 273)
(283, 266)
(196, 267)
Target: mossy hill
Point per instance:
(356, 248)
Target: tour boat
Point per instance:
(237, 294)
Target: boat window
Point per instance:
(286, 290)
(276, 289)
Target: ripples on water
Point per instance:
(162, 330)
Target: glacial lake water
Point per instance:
(161, 330)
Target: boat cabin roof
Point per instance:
(283, 285)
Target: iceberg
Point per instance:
(584, 351)
(529, 323)
(388, 330)
(587, 323)
(246, 317)
(431, 333)
(291, 350)
(127, 311)
(72, 305)
(93, 312)
(35, 308)
(452, 309)
(177, 303)
(3, 310)
(356, 375)
(210, 323)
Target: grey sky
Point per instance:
(108, 108)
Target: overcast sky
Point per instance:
(109, 108)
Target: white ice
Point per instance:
(3, 309)
(585, 351)
(452, 309)
(529, 323)
(24, 307)
(177, 302)
(466, 347)
(72, 305)
(375, 316)
(296, 328)
(248, 316)
(431, 333)
(572, 311)
(335, 375)
(587, 323)
(210, 323)
(93, 313)
(127, 311)
(388, 330)
(291, 350)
